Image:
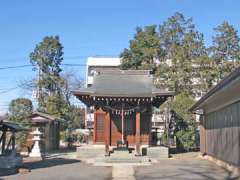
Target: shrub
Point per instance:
(74, 137)
(187, 140)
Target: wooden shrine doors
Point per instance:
(116, 129)
(99, 127)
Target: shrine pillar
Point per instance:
(107, 123)
(138, 135)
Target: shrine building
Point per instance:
(122, 101)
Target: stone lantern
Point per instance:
(36, 148)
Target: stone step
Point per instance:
(123, 159)
(90, 151)
(121, 153)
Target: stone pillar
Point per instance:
(138, 135)
(107, 133)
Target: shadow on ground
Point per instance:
(174, 150)
(46, 163)
(7, 172)
(49, 163)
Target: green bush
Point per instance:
(73, 137)
(187, 136)
(187, 140)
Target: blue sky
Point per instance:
(88, 28)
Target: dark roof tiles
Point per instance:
(131, 83)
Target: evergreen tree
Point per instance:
(183, 45)
(47, 58)
(144, 50)
(225, 50)
(20, 110)
(176, 54)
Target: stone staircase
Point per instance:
(121, 156)
(95, 155)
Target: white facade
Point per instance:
(94, 63)
(93, 66)
(158, 121)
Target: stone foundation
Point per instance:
(158, 152)
(235, 170)
(90, 151)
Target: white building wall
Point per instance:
(92, 64)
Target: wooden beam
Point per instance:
(9, 142)
(1, 138)
(107, 133)
(138, 135)
(3, 141)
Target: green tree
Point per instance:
(47, 58)
(144, 50)
(54, 87)
(56, 105)
(181, 105)
(174, 54)
(225, 50)
(20, 110)
(204, 72)
(183, 44)
(77, 117)
(187, 138)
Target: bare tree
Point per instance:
(71, 81)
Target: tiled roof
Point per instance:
(130, 83)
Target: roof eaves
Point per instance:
(48, 116)
(163, 93)
(13, 126)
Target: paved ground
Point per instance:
(182, 169)
(59, 169)
(122, 172)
